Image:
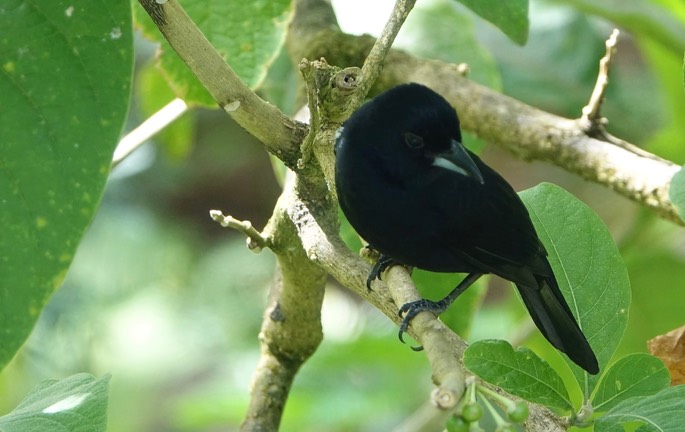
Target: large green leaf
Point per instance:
(519, 372)
(75, 404)
(248, 34)
(510, 16)
(64, 85)
(588, 267)
(637, 374)
(663, 411)
(676, 192)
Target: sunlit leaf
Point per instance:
(519, 372)
(75, 404)
(634, 375)
(65, 90)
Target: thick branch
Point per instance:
(279, 133)
(291, 327)
(528, 132)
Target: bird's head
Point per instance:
(414, 128)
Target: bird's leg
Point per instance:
(409, 310)
(383, 263)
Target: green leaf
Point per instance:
(641, 17)
(75, 404)
(676, 192)
(663, 411)
(588, 267)
(152, 94)
(248, 34)
(521, 372)
(510, 16)
(65, 93)
(637, 374)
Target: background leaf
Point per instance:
(634, 375)
(75, 404)
(676, 192)
(663, 411)
(510, 16)
(519, 372)
(588, 267)
(249, 34)
(65, 93)
(647, 16)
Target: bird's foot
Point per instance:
(381, 265)
(411, 309)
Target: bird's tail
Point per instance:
(553, 317)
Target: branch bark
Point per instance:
(528, 132)
(291, 327)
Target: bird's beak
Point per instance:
(458, 160)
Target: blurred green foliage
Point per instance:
(170, 304)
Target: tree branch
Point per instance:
(303, 230)
(528, 132)
(444, 349)
(256, 241)
(373, 64)
(591, 117)
(291, 327)
(279, 133)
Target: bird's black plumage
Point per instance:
(409, 188)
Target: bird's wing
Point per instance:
(490, 227)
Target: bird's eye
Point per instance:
(413, 141)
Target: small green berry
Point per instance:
(472, 412)
(457, 424)
(518, 413)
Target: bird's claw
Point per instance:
(381, 265)
(410, 310)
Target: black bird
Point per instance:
(415, 194)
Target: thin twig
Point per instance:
(373, 65)
(592, 119)
(150, 127)
(256, 241)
